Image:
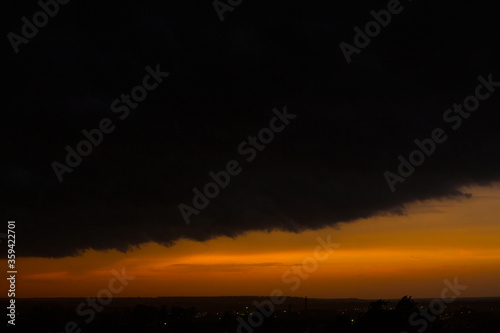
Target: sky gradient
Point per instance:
(380, 257)
(158, 96)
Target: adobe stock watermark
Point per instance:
(362, 39)
(436, 306)
(104, 297)
(222, 7)
(246, 148)
(294, 276)
(453, 116)
(121, 106)
(29, 29)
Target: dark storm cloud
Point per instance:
(326, 167)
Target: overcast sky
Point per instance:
(327, 166)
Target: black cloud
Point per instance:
(225, 78)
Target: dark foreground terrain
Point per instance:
(255, 314)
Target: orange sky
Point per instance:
(383, 257)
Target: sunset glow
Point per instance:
(387, 256)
